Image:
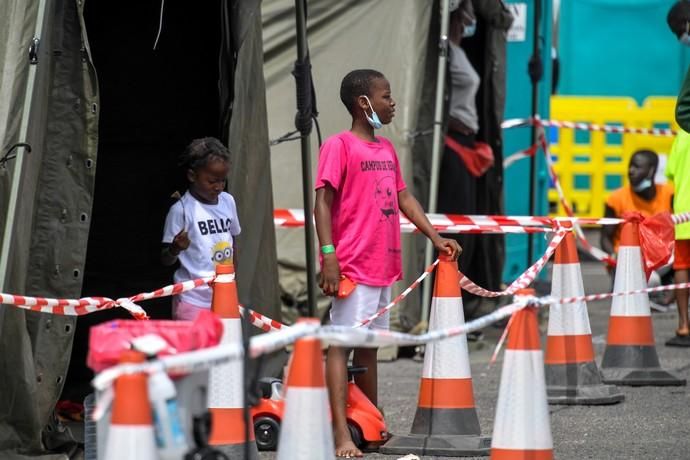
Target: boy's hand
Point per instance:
(180, 242)
(447, 246)
(329, 279)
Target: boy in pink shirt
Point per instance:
(359, 194)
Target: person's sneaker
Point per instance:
(475, 336)
(660, 308)
(663, 297)
(662, 301)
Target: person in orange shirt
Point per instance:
(641, 195)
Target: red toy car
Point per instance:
(365, 421)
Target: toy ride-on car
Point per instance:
(365, 421)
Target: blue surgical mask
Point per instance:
(644, 185)
(469, 29)
(374, 118)
(685, 39)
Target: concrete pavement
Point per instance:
(652, 423)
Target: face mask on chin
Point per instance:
(685, 37)
(373, 120)
(470, 29)
(644, 185)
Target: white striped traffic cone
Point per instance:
(226, 381)
(630, 357)
(522, 428)
(446, 421)
(572, 375)
(131, 434)
(305, 431)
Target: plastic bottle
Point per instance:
(170, 436)
(90, 429)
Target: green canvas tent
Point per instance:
(106, 117)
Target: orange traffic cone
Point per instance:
(630, 357)
(305, 429)
(572, 375)
(226, 381)
(446, 421)
(521, 427)
(131, 432)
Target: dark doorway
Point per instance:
(152, 104)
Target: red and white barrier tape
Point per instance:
(178, 288)
(591, 297)
(86, 305)
(262, 322)
(402, 295)
(523, 280)
(681, 218)
(205, 358)
(443, 223)
(338, 335)
(526, 153)
(268, 325)
(12, 299)
(595, 252)
(456, 223)
(613, 129)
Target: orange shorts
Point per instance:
(681, 255)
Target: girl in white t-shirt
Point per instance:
(200, 228)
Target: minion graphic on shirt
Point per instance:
(222, 253)
(386, 196)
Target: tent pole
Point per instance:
(438, 142)
(300, 9)
(21, 151)
(535, 71)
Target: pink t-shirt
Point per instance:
(366, 178)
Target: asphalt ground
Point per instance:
(652, 422)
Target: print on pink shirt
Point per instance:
(385, 197)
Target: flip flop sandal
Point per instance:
(679, 341)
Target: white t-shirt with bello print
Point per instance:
(211, 228)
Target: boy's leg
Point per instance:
(681, 276)
(359, 305)
(336, 378)
(368, 381)
(367, 357)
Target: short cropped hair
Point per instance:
(678, 17)
(357, 83)
(651, 157)
(201, 152)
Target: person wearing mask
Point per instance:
(646, 197)
(464, 159)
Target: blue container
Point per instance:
(619, 48)
(519, 105)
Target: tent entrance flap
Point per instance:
(153, 103)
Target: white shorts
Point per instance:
(363, 302)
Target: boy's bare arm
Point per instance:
(329, 279)
(413, 210)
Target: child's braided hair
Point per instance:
(201, 152)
